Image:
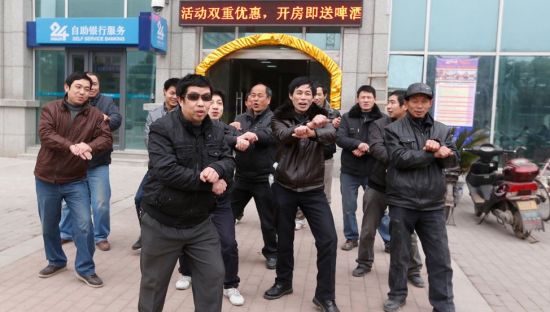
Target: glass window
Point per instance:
(99, 8)
(213, 37)
(50, 8)
(525, 25)
(483, 88)
(467, 25)
(523, 112)
(140, 88)
(252, 30)
(49, 78)
(137, 6)
(325, 38)
(404, 70)
(408, 25)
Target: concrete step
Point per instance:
(124, 157)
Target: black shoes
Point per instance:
(416, 280)
(326, 305)
(277, 291)
(392, 305)
(137, 244)
(271, 263)
(90, 280)
(51, 270)
(360, 271)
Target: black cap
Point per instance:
(419, 88)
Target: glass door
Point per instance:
(110, 66)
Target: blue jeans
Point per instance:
(430, 228)
(349, 187)
(77, 197)
(100, 197)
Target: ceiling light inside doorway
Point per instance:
(265, 61)
(271, 66)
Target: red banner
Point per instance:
(271, 13)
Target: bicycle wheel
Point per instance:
(544, 196)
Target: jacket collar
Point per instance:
(286, 111)
(250, 113)
(356, 112)
(428, 121)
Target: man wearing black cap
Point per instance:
(418, 149)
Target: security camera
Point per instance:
(157, 5)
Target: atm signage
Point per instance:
(274, 13)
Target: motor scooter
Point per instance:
(510, 195)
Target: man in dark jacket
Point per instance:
(190, 163)
(70, 131)
(255, 155)
(374, 200)
(301, 130)
(352, 138)
(98, 174)
(418, 149)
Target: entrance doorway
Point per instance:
(110, 66)
(235, 77)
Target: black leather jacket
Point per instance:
(379, 154)
(353, 131)
(301, 161)
(415, 178)
(256, 163)
(178, 152)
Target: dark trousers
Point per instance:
(374, 206)
(241, 194)
(161, 247)
(319, 217)
(430, 228)
(222, 217)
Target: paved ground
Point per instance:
(493, 269)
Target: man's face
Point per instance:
(78, 92)
(216, 108)
(395, 111)
(170, 98)
(258, 99)
(320, 97)
(366, 101)
(195, 104)
(94, 89)
(418, 105)
(302, 98)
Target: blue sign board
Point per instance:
(87, 31)
(159, 32)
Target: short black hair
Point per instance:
(268, 90)
(192, 80)
(172, 82)
(300, 81)
(89, 73)
(317, 84)
(77, 76)
(220, 94)
(366, 88)
(400, 94)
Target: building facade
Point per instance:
(488, 61)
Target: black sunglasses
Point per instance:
(206, 97)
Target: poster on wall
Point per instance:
(455, 91)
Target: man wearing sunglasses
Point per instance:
(190, 164)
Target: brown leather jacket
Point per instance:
(55, 162)
(300, 161)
